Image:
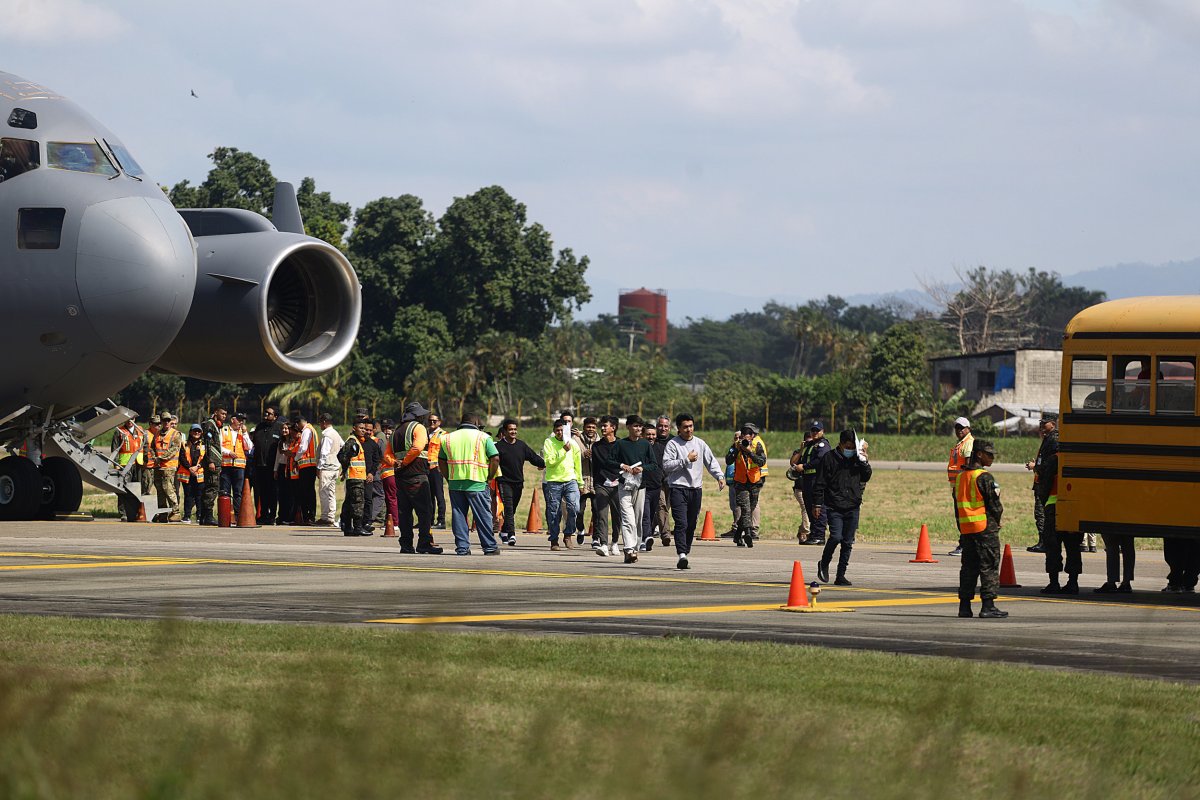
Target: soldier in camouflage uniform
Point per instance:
(166, 464)
(211, 436)
(979, 511)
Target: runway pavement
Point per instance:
(309, 575)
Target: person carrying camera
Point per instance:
(748, 455)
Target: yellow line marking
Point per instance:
(88, 557)
(405, 568)
(88, 565)
(590, 614)
(649, 612)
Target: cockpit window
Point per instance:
(18, 156)
(79, 157)
(125, 159)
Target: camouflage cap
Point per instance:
(984, 446)
(155, 420)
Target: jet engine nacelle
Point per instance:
(269, 306)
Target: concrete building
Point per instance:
(1012, 387)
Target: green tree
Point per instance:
(897, 374)
(1049, 305)
(323, 218)
(238, 179)
(495, 271)
(389, 249)
(417, 337)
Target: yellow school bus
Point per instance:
(1129, 427)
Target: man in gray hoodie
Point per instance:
(684, 462)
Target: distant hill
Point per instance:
(1133, 280)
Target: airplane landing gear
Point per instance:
(20, 488)
(62, 488)
(29, 492)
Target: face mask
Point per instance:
(848, 452)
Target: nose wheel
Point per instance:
(27, 492)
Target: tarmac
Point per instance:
(107, 569)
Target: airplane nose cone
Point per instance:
(136, 273)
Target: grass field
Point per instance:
(121, 709)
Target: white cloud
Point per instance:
(57, 21)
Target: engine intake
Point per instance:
(268, 306)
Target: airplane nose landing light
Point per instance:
(136, 272)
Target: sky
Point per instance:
(732, 150)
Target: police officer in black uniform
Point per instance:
(814, 452)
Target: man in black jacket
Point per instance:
(514, 454)
(841, 478)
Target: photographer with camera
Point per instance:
(748, 455)
(841, 478)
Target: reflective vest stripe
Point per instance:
(745, 470)
(971, 512)
(185, 464)
(357, 471)
(162, 445)
(232, 441)
(308, 458)
(388, 469)
(466, 455)
(957, 462)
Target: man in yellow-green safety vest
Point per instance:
(978, 511)
(469, 460)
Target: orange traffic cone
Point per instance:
(708, 533)
(1008, 573)
(534, 523)
(141, 515)
(246, 517)
(224, 511)
(388, 528)
(798, 596)
(797, 592)
(924, 551)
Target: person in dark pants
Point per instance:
(210, 432)
(266, 446)
(685, 461)
(437, 482)
(407, 443)
(305, 460)
(1057, 541)
(1117, 548)
(841, 479)
(814, 453)
(652, 483)
(284, 470)
(355, 473)
(1183, 559)
(606, 481)
(978, 509)
(373, 454)
(1045, 428)
(191, 472)
(514, 455)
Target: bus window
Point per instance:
(1131, 384)
(1089, 379)
(1176, 385)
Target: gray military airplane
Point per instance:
(105, 279)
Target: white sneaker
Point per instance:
(602, 551)
(616, 550)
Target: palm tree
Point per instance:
(323, 391)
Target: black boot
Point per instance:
(964, 609)
(1052, 587)
(1071, 586)
(989, 611)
